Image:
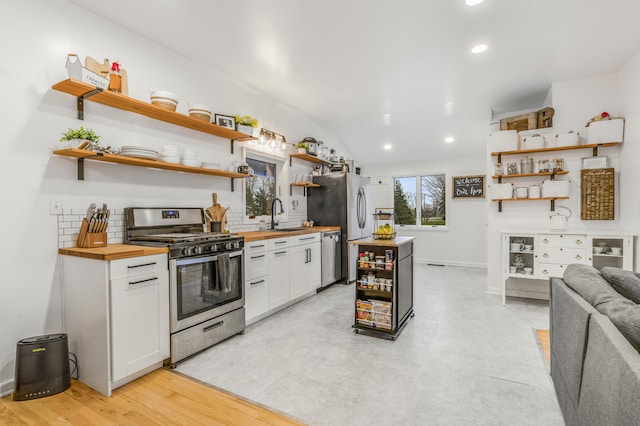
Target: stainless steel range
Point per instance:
(205, 275)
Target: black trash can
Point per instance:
(42, 367)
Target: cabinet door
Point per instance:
(256, 301)
(278, 277)
(256, 265)
(608, 250)
(297, 271)
(140, 322)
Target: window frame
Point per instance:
(418, 179)
(282, 178)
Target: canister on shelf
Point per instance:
(526, 165)
(557, 164)
(512, 168)
(543, 166)
(498, 170)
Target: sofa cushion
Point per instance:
(623, 313)
(624, 282)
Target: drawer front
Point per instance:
(304, 239)
(562, 255)
(255, 247)
(278, 243)
(256, 265)
(563, 240)
(256, 300)
(548, 270)
(140, 265)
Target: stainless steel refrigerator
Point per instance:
(343, 199)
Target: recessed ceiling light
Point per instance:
(387, 146)
(473, 2)
(479, 48)
(449, 139)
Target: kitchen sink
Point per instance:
(287, 229)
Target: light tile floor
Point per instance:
(464, 359)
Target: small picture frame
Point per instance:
(595, 163)
(225, 121)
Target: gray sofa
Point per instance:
(594, 366)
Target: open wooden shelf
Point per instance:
(307, 157)
(304, 185)
(82, 154)
(564, 172)
(531, 199)
(84, 91)
(594, 146)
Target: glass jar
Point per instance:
(512, 168)
(543, 166)
(498, 170)
(557, 165)
(526, 166)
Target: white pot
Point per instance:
(555, 188)
(501, 191)
(567, 139)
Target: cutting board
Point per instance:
(102, 69)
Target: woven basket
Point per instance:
(598, 194)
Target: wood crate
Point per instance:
(520, 122)
(598, 194)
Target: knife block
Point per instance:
(88, 239)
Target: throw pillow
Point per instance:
(624, 282)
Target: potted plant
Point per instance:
(302, 147)
(75, 137)
(245, 124)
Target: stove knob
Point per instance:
(228, 246)
(197, 250)
(214, 248)
(186, 251)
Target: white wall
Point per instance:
(574, 102)
(37, 36)
(630, 152)
(464, 241)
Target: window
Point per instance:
(428, 192)
(260, 189)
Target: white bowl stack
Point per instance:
(190, 157)
(170, 154)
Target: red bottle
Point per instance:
(115, 79)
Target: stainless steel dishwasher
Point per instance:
(331, 258)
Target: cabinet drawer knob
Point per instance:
(545, 272)
(578, 242)
(142, 281)
(545, 241)
(142, 265)
(545, 255)
(578, 257)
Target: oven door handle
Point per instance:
(213, 326)
(192, 260)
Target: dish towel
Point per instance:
(222, 272)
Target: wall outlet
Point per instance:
(55, 207)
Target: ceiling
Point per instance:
(399, 72)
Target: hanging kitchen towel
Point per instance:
(222, 272)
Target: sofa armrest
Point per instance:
(569, 324)
(611, 377)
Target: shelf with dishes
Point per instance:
(81, 155)
(84, 91)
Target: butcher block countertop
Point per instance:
(395, 242)
(267, 235)
(113, 251)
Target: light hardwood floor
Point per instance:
(162, 397)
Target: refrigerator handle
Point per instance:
(364, 209)
(359, 207)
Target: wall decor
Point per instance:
(225, 121)
(595, 162)
(597, 194)
(468, 186)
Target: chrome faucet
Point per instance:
(273, 213)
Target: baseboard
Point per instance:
(6, 388)
(449, 263)
(529, 294)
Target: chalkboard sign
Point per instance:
(468, 186)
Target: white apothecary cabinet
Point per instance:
(547, 254)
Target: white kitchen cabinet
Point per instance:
(256, 282)
(305, 266)
(116, 314)
(279, 260)
(548, 254)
